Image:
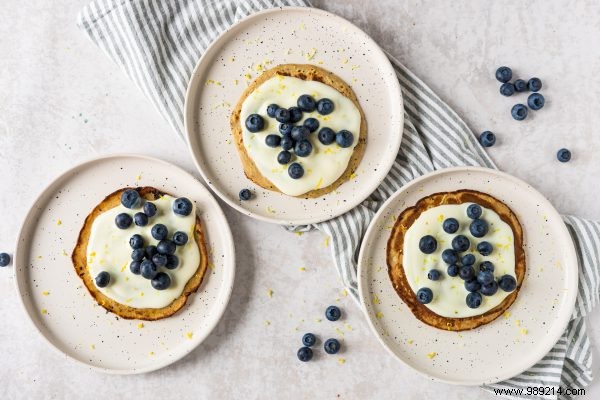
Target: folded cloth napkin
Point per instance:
(157, 43)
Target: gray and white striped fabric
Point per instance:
(158, 42)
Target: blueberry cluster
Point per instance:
(535, 101)
(146, 259)
(296, 137)
(331, 345)
(477, 283)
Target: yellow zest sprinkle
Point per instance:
(123, 267)
(64, 253)
(231, 59)
(355, 67)
(356, 80)
(344, 293)
(138, 178)
(128, 300)
(140, 325)
(339, 331)
(189, 335)
(299, 233)
(319, 183)
(318, 320)
(288, 51)
(378, 314)
(45, 293)
(270, 293)
(320, 62)
(126, 279)
(93, 346)
(518, 322)
(235, 82)
(311, 54)
(141, 294)
(302, 269)
(151, 353)
(39, 257)
(455, 311)
(345, 61)
(211, 265)
(376, 299)
(58, 222)
(410, 341)
(271, 210)
(348, 326)
(507, 315)
(523, 331)
(44, 311)
(342, 360)
(247, 76)
(352, 176)
(431, 355)
(267, 323)
(440, 218)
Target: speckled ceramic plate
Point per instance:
(281, 36)
(60, 306)
(513, 342)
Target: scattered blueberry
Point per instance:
(295, 171)
(130, 198)
(485, 248)
(344, 138)
(487, 139)
(534, 84)
(507, 283)
(486, 266)
(473, 300)
(134, 267)
(450, 225)
(466, 272)
(255, 123)
(449, 256)
(282, 115)
(102, 279)
(333, 313)
(452, 270)
(434, 275)
(159, 231)
(295, 114)
(138, 254)
(472, 285)
(273, 140)
(309, 339)
(287, 142)
(300, 133)
(150, 251)
(284, 157)
(474, 211)
(326, 136)
(305, 354)
(485, 277)
(161, 281)
(149, 209)
(331, 346)
(489, 289)
(325, 106)
(519, 112)
(140, 219)
(478, 228)
(180, 238)
(182, 206)
(311, 123)
(424, 295)
(461, 243)
(285, 128)
(504, 74)
(272, 109)
(535, 101)
(520, 85)
(427, 244)
(507, 89)
(166, 247)
(123, 221)
(563, 155)
(4, 259)
(303, 148)
(172, 261)
(307, 103)
(160, 260)
(148, 269)
(136, 241)
(468, 259)
(245, 194)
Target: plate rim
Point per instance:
(229, 278)
(194, 86)
(361, 271)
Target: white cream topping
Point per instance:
(326, 163)
(449, 293)
(109, 250)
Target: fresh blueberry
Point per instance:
(138, 254)
(172, 261)
(148, 269)
(136, 241)
(473, 300)
(486, 266)
(284, 157)
(325, 106)
(159, 231)
(282, 115)
(300, 133)
(161, 281)
(450, 225)
(474, 211)
(303, 148)
(485, 248)
(507, 283)
(150, 251)
(180, 238)
(307, 103)
(535, 101)
(295, 171)
(160, 260)
(333, 313)
(434, 275)
(309, 339)
(487, 139)
(286, 128)
(520, 85)
(450, 256)
(102, 279)
(472, 285)
(461, 243)
(255, 123)
(489, 289)
(424, 295)
(504, 74)
(305, 354)
(295, 114)
(534, 84)
(311, 123)
(344, 138)
(519, 112)
(273, 140)
(4, 259)
(245, 194)
(149, 209)
(272, 109)
(563, 155)
(134, 267)
(468, 259)
(507, 89)
(478, 228)
(130, 198)
(287, 142)
(326, 136)
(466, 272)
(166, 247)
(182, 206)
(452, 270)
(427, 244)
(140, 219)
(123, 221)
(485, 277)
(331, 346)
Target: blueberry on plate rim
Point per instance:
(309, 339)
(245, 194)
(255, 123)
(504, 74)
(487, 139)
(563, 155)
(507, 283)
(535, 101)
(331, 346)
(4, 259)
(534, 84)
(333, 313)
(519, 112)
(305, 354)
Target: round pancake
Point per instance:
(395, 248)
(305, 72)
(79, 258)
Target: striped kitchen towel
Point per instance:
(158, 42)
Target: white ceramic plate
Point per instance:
(498, 350)
(60, 306)
(281, 36)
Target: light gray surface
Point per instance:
(62, 101)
